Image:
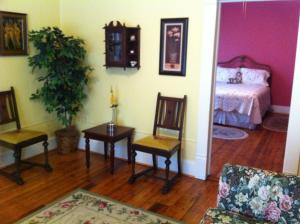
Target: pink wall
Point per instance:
(266, 32)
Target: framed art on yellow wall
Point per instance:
(13, 33)
(173, 46)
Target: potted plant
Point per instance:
(59, 65)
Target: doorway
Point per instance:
(292, 149)
(258, 45)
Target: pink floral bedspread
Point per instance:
(249, 99)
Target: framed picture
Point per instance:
(173, 46)
(13, 33)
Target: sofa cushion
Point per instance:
(264, 195)
(218, 216)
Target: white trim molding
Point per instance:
(201, 164)
(206, 85)
(6, 155)
(188, 166)
(292, 149)
(280, 109)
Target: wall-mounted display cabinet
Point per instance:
(122, 46)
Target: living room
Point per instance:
(136, 91)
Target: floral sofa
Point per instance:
(249, 195)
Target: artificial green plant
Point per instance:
(59, 65)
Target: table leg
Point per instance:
(87, 152)
(112, 157)
(105, 150)
(129, 149)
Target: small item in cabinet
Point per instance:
(132, 38)
(133, 63)
(122, 46)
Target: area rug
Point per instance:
(276, 122)
(228, 133)
(83, 207)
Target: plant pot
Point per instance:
(67, 139)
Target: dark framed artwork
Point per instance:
(173, 46)
(13, 33)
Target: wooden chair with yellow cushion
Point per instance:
(18, 139)
(169, 115)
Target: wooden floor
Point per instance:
(262, 149)
(188, 200)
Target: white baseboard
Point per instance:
(6, 155)
(201, 164)
(143, 158)
(280, 109)
(188, 166)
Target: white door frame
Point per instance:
(209, 45)
(292, 147)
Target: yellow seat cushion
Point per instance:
(158, 142)
(18, 136)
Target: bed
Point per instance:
(242, 104)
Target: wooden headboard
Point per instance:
(244, 61)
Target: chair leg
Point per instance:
(17, 174)
(132, 178)
(105, 150)
(47, 165)
(154, 161)
(179, 160)
(167, 185)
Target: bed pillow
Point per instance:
(255, 76)
(224, 74)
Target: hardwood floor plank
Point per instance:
(188, 200)
(70, 173)
(207, 199)
(262, 149)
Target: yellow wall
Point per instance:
(137, 89)
(14, 70)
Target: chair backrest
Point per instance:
(170, 113)
(8, 108)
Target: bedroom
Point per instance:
(261, 48)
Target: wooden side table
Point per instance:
(100, 133)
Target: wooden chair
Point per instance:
(169, 115)
(18, 139)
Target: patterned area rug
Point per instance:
(228, 133)
(276, 122)
(83, 207)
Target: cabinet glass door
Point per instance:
(115, 47)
